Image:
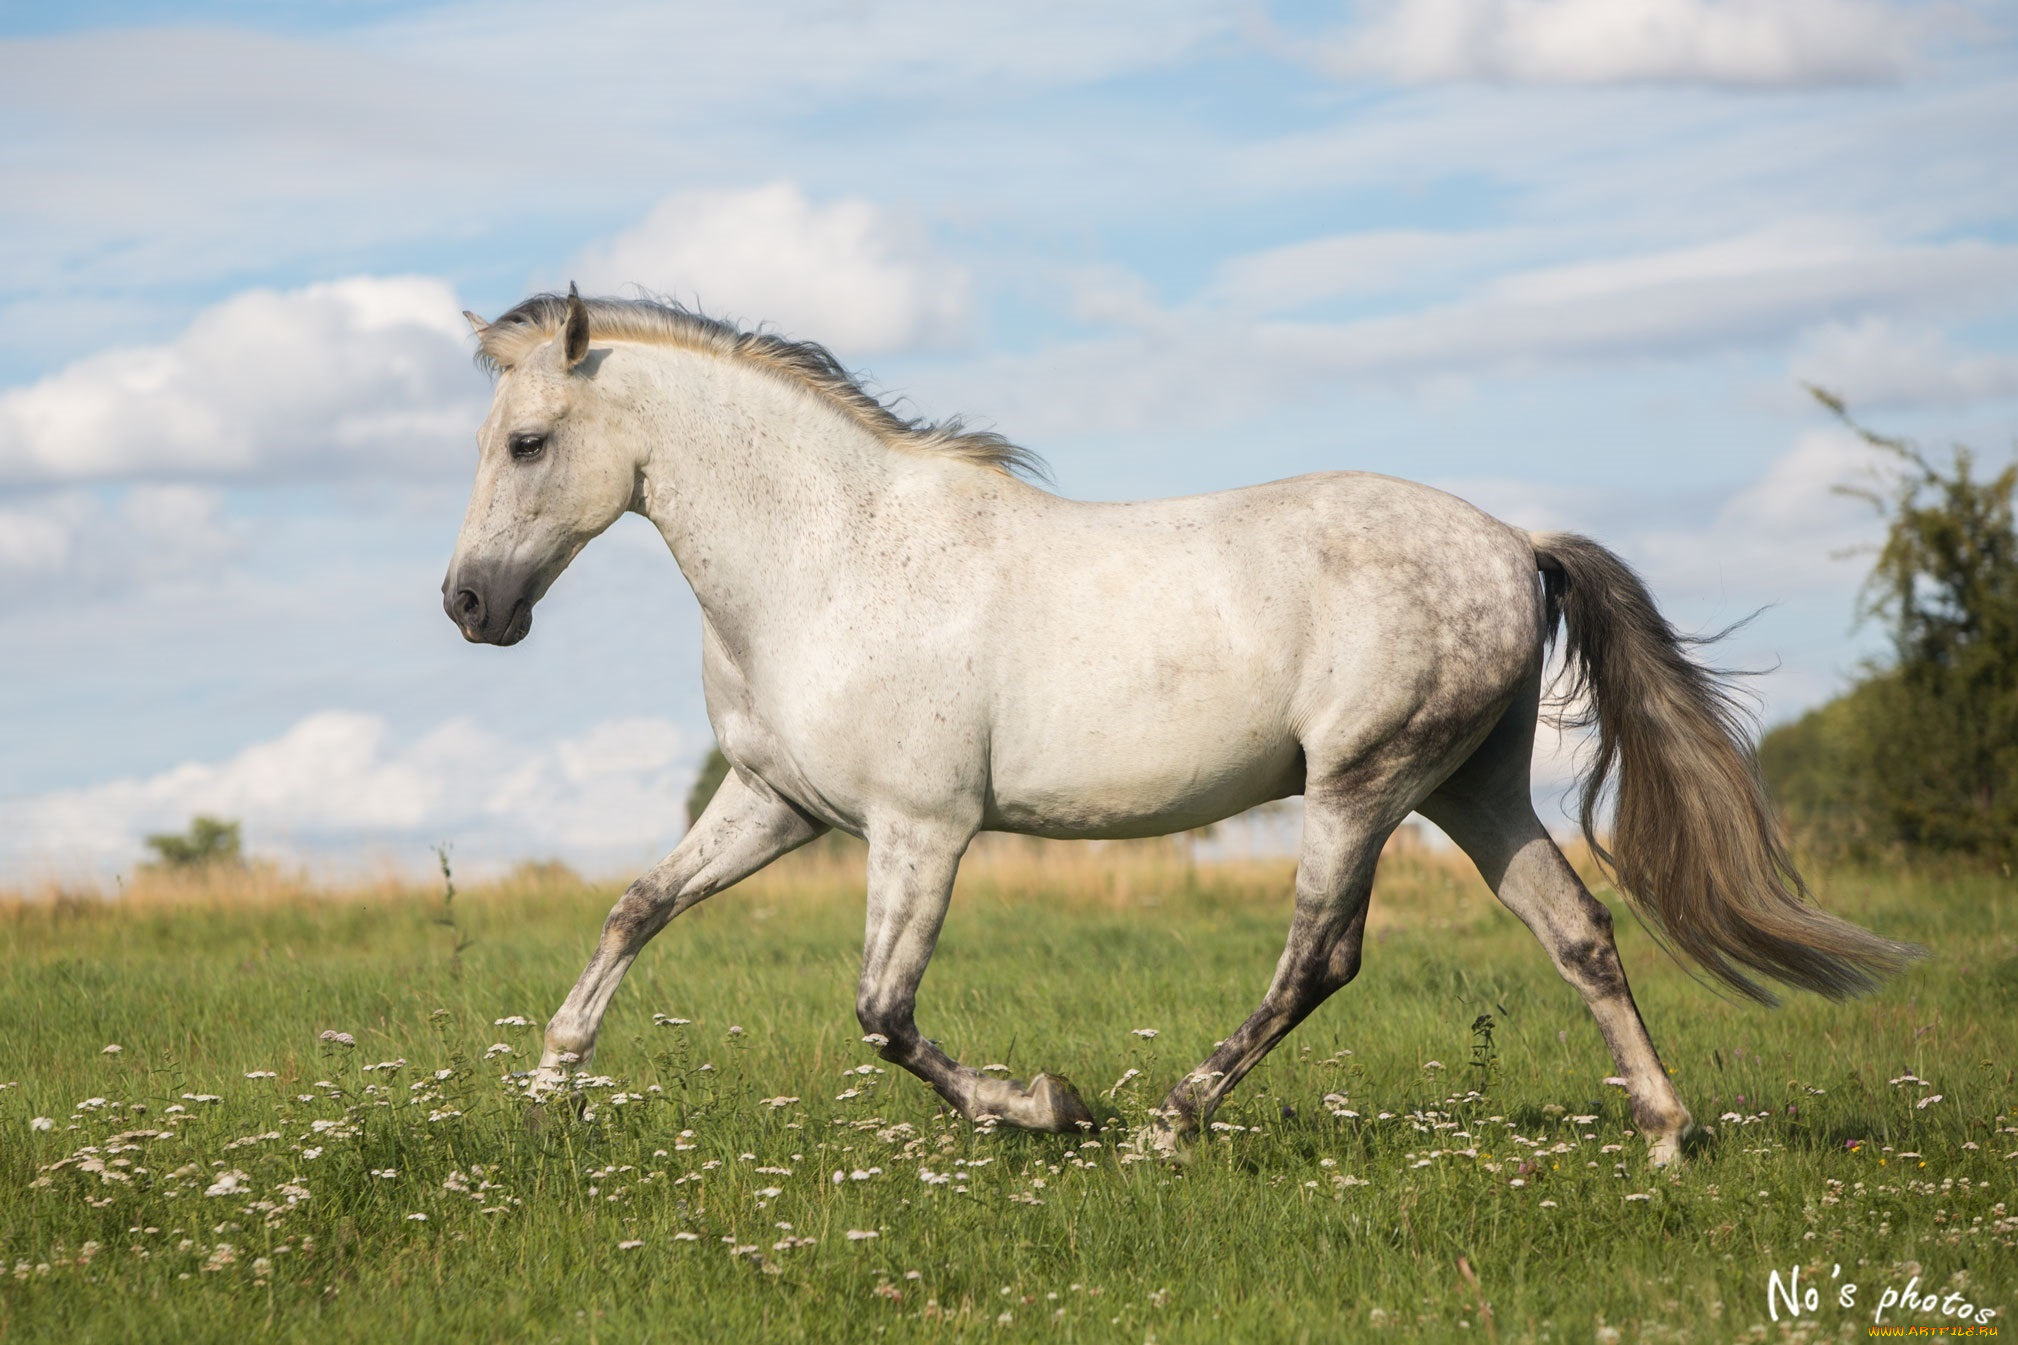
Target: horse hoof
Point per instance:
(1664, 1150)
(1060, 1107)
(1162, 1140)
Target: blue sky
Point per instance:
(1568, 258)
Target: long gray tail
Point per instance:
(1693, 844)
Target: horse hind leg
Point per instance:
(1487, 809)
(911, 869)
(1334, 884)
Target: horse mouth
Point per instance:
(519, 626)
(516, 629)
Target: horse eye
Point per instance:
(526, 447)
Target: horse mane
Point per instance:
(812, 366)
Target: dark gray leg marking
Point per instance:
(1498, 829)
(1334, 883)
(911, 869)
(744, 828)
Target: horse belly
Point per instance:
(1098, 770)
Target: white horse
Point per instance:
(903, 640)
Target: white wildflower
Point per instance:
(1146, 1033)
(112, 1048)
(228, 1183)
(42, 1123)
(861, 1234)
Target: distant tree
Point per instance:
(1922, 754)
(713, 771)
(210, 842)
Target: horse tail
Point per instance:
(1694, 844)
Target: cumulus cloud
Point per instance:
(247, 150)
(1880, 362)
(849, 274)
(1753, 43)
(1788, 530)
(327, 380)
(339, 783)
(69, 541)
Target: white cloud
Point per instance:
(848, 274)
(197, 150)
(1880, 362)
(802, 53)
(1782, 533)
(1755, 43)
(327, 380)
(338, 783)
(1787, 531)
(66, 541)
(1349, 265)
(1213, 361)
(1738, 291)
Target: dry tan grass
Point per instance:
(1419, 885)
(1416, 883)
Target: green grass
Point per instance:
(1293, 1224)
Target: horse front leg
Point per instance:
(743, 828)
(911, 869)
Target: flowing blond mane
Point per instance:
(810, 365)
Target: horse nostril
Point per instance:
(468, 607)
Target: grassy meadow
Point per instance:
(188, 1152)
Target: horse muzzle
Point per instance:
(487, 608)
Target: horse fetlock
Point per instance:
(1665, 1130)
(566, 1050)
(1168, 1136)
(1047, 1103)
(1191, 1102)
(1056, 1097)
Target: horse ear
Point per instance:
(476, 324)
(576, 347)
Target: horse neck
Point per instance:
(758, 486)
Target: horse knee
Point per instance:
(640, 913)
(886, 1017)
